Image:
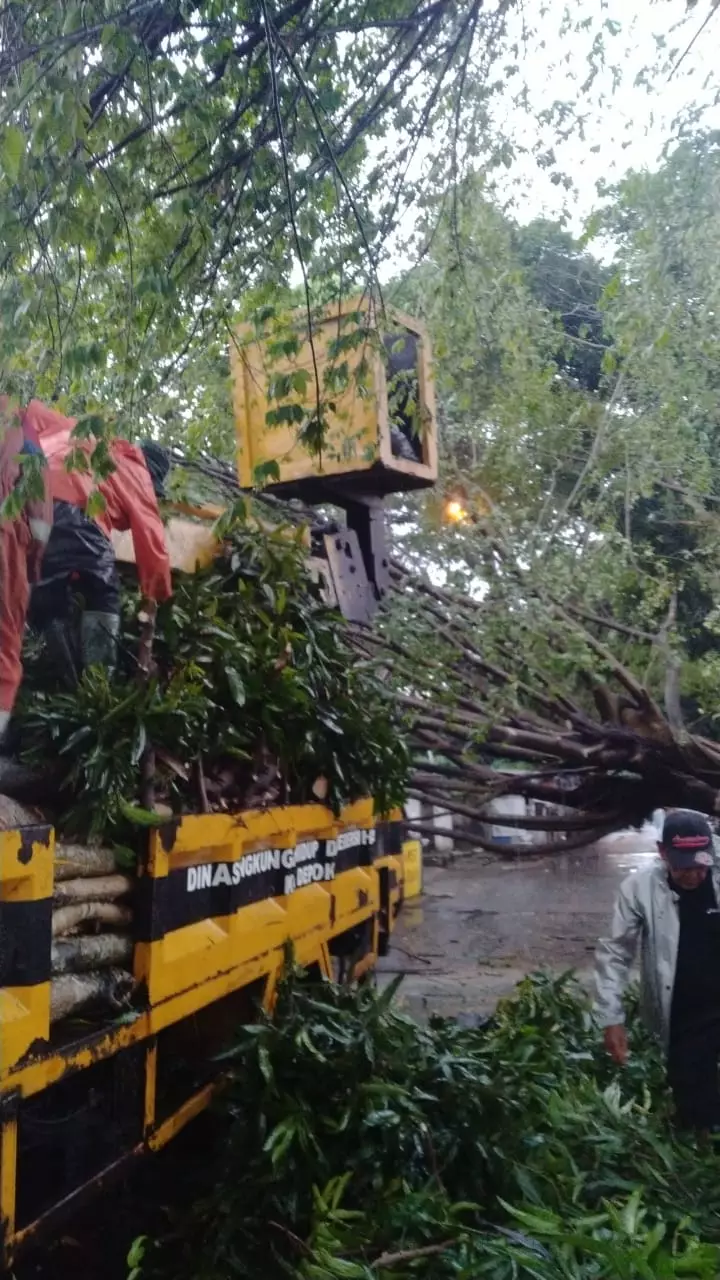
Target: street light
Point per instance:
(455, 511)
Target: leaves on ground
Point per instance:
(361, 1144)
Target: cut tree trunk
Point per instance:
(78, 955)
(67, 919)
(75, 860)
(92, 889)
(14, 814)
(74, 992)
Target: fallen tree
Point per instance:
(584, 734)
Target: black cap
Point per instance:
(687, 840)
(157, 460)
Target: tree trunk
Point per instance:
(92, 889)
(77, 860)
(68, 919)
(72, 993)
(77, 955)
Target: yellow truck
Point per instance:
(218, 898)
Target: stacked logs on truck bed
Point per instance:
(91, 932)
(92, 945)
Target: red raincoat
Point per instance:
(130, 501)
(22, 542)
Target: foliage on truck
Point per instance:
(256, 698)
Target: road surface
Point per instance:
(482, 925)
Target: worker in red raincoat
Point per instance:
(23, 540)
(80, 559)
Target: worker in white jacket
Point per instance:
(672, 910)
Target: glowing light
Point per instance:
(455, 511)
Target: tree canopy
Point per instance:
(166, 163)
(170, 167)
(567, 623)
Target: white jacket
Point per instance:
(645, 912)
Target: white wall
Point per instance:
(416, 810)
(519, 807)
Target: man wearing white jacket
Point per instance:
(672, 910)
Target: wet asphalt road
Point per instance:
(482, 925)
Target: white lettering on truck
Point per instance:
(300, 863)
(212, 874)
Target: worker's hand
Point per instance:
(147, 611)
(616, 1044)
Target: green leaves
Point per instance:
(254, 679)
(136, 1256)
(237, 688)
(96, 504)
(12, 150)
(160, 194)
(285, 415)
(266, 472)
(383, 1149)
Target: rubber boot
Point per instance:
(99, 634)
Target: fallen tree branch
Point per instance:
(524, 822)
(611, 624)
(388, 1260)
(502, 850)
